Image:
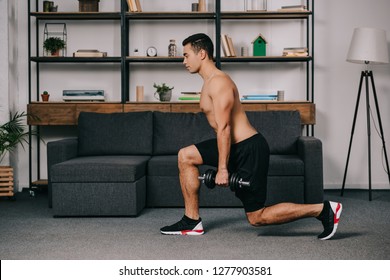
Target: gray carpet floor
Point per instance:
(28, 231)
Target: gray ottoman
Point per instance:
(99, 186)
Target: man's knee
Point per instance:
(184, 155)
(189, 156)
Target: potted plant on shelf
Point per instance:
(45, 96)
(12, 133)
(163, 92)
(53, 45)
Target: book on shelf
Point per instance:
(298, 51)
(184, 98)
(260, 96)
(189, 96)
(134, 6)
(89, 53)
(293, 8)
(190, 93)
(225, 46)
(83, 95)
(228, 46)
(231, 46)
(138, 5)
(254, 97)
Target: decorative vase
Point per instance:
(164, 96)
(6, 181)
(55, 53)
(45, 97)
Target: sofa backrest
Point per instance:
(173, 131)
(115, 133)
(280, 128)
(160, 133)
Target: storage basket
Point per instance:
(6, 181)
(89, 5)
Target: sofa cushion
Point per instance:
(280, 128)
(100, 169)
(286, 165)
(132, 131)
(280, 165)
(165, 165)
(173, 131)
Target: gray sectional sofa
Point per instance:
(123, 162)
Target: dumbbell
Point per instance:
(235, 182)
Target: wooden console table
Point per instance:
(66, 113)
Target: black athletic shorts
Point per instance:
(250, 159)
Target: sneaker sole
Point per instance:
(183, 232)
(337, 208)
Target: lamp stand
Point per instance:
(367, 74)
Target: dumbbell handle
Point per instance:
(241, 182)
(244, 183)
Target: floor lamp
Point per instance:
(368, 46)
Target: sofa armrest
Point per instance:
(59, 151)
(310, 151)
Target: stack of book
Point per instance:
(134, 6)
(189, 96)
(273, 96)
(89, 53)
(299, 51)
(293, 8)
(83, 95)
(227, 46)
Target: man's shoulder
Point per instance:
(222, 79)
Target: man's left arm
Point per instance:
(223, 100)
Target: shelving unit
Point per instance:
(125, 17)
(61, 113)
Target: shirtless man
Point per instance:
(233, 151)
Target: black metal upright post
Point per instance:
(368, 134)
(125, 87)
(218, 33)
(366, 75)
(29, 94)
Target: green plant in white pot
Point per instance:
(163, 91)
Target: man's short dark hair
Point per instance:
(200, 41)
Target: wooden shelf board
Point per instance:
(171, 15)
(266, 59)
(146, 59)
(159, 59)
(265, 15)
(77, 15)
(70, 59)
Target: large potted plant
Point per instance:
(12, 133)
(163, 91)
(53, 45)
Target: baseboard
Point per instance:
(356, 186)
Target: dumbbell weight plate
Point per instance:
(234, 182)
(209, 178)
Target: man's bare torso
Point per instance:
(241, 129)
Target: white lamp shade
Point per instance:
(368, 45)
